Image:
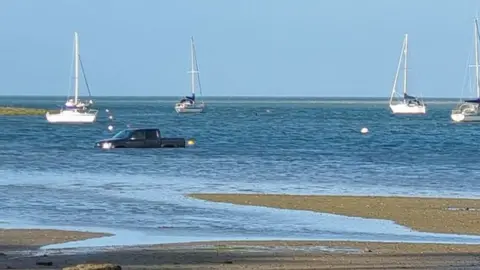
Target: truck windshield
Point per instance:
(122, 134)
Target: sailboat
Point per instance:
(405, 103)
(189, 104)
(75, 110)
(468, 110)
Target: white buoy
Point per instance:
(107, 110)
(110, 127)
(110, 117)
(364, 130)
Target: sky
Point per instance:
(331, 48)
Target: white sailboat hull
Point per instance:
(404, 108)
(181, 108)
(460, 117)
(72, 117)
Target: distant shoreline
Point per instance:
(21, 111)
(230, 97)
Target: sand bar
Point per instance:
(19, 239)
(421, 214)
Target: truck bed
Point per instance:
(173, 142)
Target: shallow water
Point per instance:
(52, 176)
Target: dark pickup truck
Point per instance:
(142, 138)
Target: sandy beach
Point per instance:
(439, 215)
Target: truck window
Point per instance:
(122, 134)
(151, 134)
(138, 135)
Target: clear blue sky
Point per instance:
(246, 47)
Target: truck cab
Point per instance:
(141, 138)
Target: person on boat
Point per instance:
(187, 99)
(414, 102)
(411, 100)
(70, 103)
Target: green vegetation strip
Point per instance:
(22, 111)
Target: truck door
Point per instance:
(137, 139)
(152, 139)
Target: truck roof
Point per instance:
(141, 129)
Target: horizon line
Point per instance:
(223, 96)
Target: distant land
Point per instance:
(221, 97)
(54, 102)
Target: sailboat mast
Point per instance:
(476, 59)
(399, 65)
(76, 68)
(405, 54)
(192, 71)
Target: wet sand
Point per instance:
(421, 214)
(262, 255)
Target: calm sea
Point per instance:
(52, 176)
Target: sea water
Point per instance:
(52, 177)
